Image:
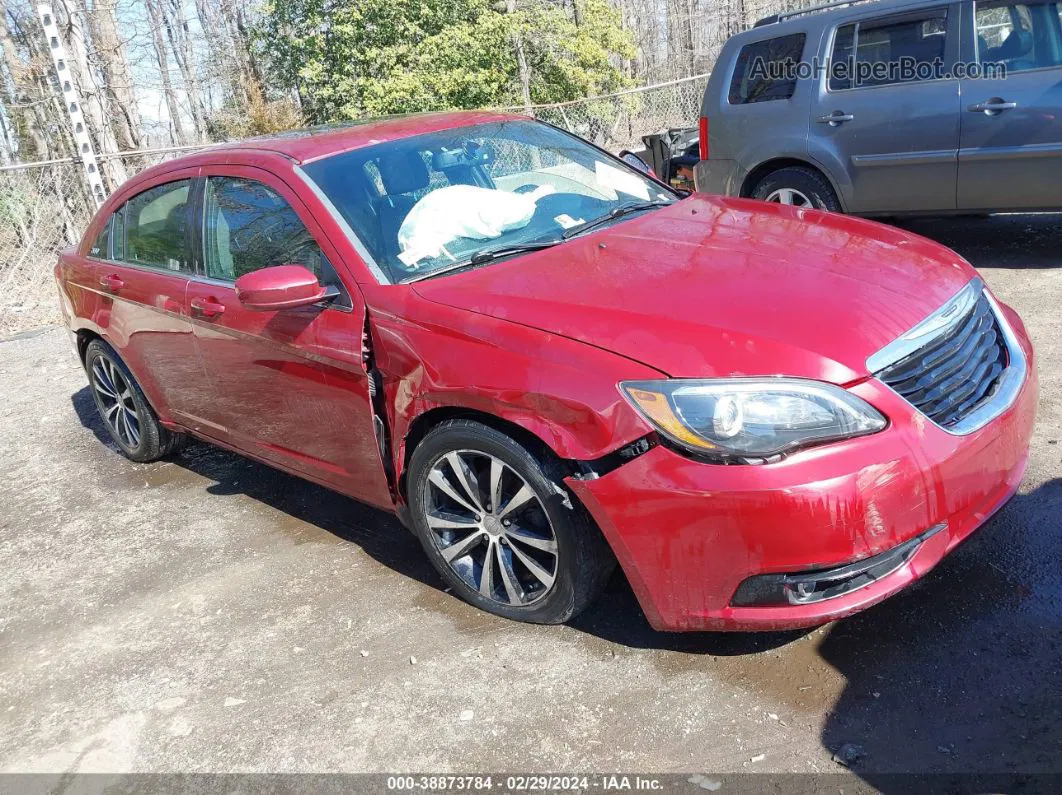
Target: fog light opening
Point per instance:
(808, 587)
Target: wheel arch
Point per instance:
(423, 423)
(552, 394)
(753, 178)
(84, 337)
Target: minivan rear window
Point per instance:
(766, 70)
(889, 50)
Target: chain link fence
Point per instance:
(45, 207)
(618, 121)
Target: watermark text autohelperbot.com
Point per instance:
(848, 71)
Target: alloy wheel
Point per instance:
(115, 399)
(491, 528)
(789, 196)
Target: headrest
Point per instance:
(1017, 44)
(403, 172)
(469, 155)
(177, 217)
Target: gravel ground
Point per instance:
(211, 614)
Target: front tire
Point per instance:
(500, 528)
(797, 186)
(126, 414)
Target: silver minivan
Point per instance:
(891, 107)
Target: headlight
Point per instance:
(751, 417)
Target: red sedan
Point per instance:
(546, 362)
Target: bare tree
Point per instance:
(157, 20)
(176, 25)
(119, 99)
(24, 134)
(32, 107)
(236, 27)
(521, 58)
(90, 84)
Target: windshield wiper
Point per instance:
(488, 255)
(613, 214)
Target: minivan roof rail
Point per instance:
(773, 18)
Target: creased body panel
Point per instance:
(564, 392)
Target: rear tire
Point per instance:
(798, 186)
(542, 561)
(125, 411)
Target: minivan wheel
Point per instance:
(799, 187)
(126, 414)
(500, 528)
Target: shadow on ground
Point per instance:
(380, 534)
(962, 673)
(996, 241)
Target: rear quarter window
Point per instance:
(101, 246)
(765, 70)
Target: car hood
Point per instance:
(712, 287)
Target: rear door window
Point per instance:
(101, 248)
(890, 50)
(1019, 36)
(152, 228)
(766, 70)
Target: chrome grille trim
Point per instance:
(937, 324)
(960, 318)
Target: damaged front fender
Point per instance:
(438, 362)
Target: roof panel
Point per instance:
(317, 142)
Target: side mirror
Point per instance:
(279, 287)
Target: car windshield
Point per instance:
(439, 201)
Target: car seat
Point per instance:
(403, 174)
(1018, 44)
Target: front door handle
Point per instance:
(992, 107)
(111, 282)
(207, 307)
(835, 118)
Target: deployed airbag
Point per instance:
(457, 211)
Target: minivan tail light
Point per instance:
(703, 129)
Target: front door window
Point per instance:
(249, 226)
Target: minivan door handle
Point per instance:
(992, 107)
(111, 282)
(207, 307)
(835, 118)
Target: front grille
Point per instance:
(954, 373)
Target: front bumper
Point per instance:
(687, 534)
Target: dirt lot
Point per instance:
(211, 614)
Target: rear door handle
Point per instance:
(992, 106)
(207, 307)
(835, 118)
(111, 282)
